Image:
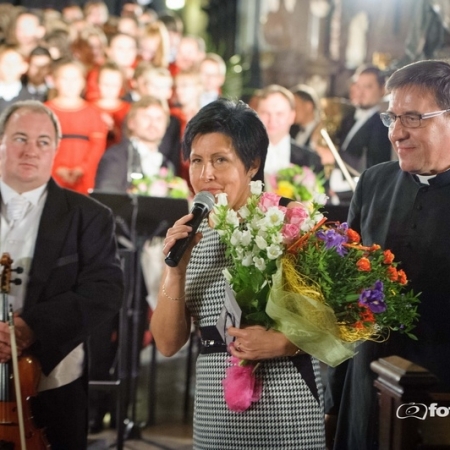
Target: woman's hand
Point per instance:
(180, 231)
(255, 342)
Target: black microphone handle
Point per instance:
(199, 211)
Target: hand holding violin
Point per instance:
(24, 338)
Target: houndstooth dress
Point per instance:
(289, 414)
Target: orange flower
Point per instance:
(392, 273)
(367, 315)
(374, 248)
(363, 264)
(353, 236)
(402, 277)
(388, 257)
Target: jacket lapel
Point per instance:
(50, 238)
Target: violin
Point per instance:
(18, 382)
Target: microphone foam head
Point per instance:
(205, 198)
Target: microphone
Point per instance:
(203, 203)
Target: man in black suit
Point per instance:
(403, 206)
(363, 139)
(72, 279)
(139, 153)
(276, 109)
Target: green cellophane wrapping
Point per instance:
(301, 314)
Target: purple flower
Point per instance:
(373, 298)
(333, 239)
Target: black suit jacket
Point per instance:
(112, 171)
(75, 281)
(369, 146)
(303, 156)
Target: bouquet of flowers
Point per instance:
(311, 280)
(165, 184)
(296, 182)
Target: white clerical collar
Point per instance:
(425, 179)
(32, 196)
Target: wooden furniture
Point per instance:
(411, 416)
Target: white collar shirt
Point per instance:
(278, 156)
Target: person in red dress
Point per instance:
(112, 109)
(83, 130)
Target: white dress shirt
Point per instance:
(151, 161)
(278, 156)
(19, 239)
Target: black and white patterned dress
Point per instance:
(289, 414)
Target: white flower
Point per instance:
(273, 217)
(256, 187)
(260, 264)
(236, 237)
(261, 242)
(274, 251)
(320, 199)
(227, 275)
(246, 237)
(222, 199)
(244, 212)
(232, 218)
(247, 260)
(308, 225)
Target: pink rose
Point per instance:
(296, 215)
(290, 233)
(267, 200)
(159, 188)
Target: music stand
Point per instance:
(142, 218)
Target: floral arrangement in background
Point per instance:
(296, 182)
(165, 184)
(311, 280)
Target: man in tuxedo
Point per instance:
(363, 139)
(71, 280)
(139, 153)
(306, 114)
(276, 109)
(403, 206)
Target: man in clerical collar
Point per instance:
(403, 206)
(71, 279)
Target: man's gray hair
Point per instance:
(33, 106)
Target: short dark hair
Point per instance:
(432, 76)
(306, 94)
(370, 69)
(239, 122)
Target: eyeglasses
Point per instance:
(409, 120)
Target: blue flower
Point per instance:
(373, 298)
(333, 239)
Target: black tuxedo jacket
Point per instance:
(112, 171)
(75, 281)
(369, 146)
(303, 156)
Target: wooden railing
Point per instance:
(411, 416)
